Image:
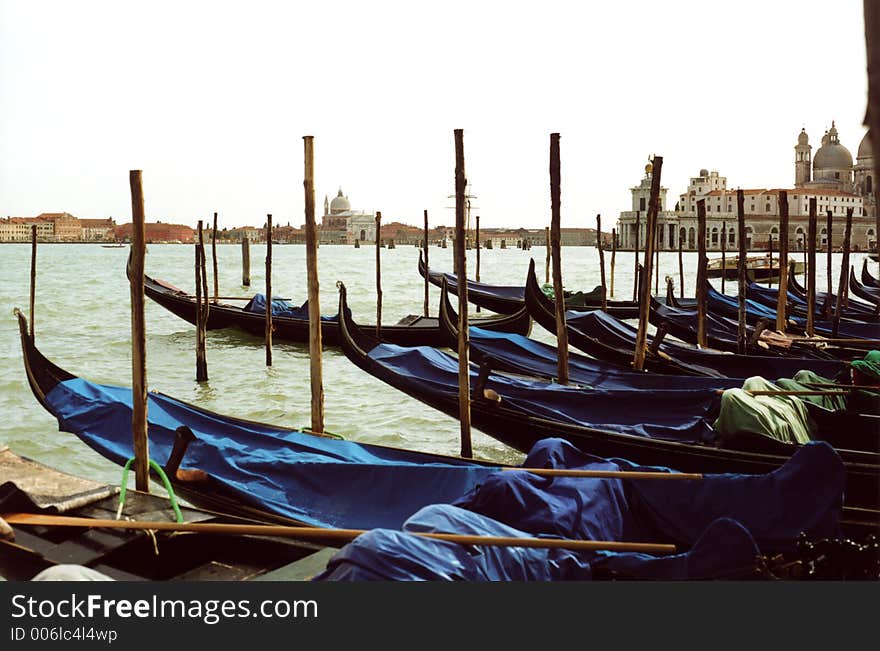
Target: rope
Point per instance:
(155, 466)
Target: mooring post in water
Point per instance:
(826, 307)
(33, 277)
(555, 245)
(770, 261)
(680, 266)
(636, 278)
(547, 259)
(650, 232)
(613, 255)
(601, 247)
(268, 290)
(214, 257)
(741, 339)
(477, 242)
(657, 259)
(378, 276)
(138, 335)
(464, 400)
(702, 279)
(425, 247)
(811, 267)
(201, 300)
(782, 297)
(315, 368)
(843, 280)
(723, 254)
(245, 261)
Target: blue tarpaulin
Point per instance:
(719, 524)
(320, 481)
(282, 308)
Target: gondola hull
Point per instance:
(417, 330)
(520, 428)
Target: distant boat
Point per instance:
(113, 246)
(758, 268)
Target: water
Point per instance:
(82, 323)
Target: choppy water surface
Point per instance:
(83, 324)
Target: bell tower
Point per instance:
(802, 160)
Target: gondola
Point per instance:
(604, 337)
(797, 305)
(755, 311)
(517, 354)
(251, 469)
(651, 427)
(722, 334)
(722, 527)
(507, 299)
(128, 555)
(867, 279)
(410, 331)
(868, 294)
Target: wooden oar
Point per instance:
(788, 392)
(609, 474)
(244, 298)
(335, 535)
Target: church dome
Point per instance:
(832, 155)
(340, 203)
(866, 149)
(803, 138)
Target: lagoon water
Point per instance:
(82, 323)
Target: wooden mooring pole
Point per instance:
(477, 242)
(811, 267)
(645, 298)
(138, 335)
(600, 246)
(214, 257)
(741, 339)
(315, 368)
(843, 280)
(782, 298)
(33, 278)
(425, 247)
(378, 276)
(268, 335)
(680, 267)
(723, 254)
(613, 255)
(201, 302)
(555, 245)
(827, 308)
(636, 275)
(702, 279)
(464, 400)
(770, 261)
(547, 259)
(245, 261)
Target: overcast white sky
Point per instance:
(211, 100)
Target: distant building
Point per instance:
(67, 227)
(342, 225)
(18, 229)
(830, 178)
(97, 230)
(158, 232)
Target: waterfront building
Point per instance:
(342, 225)
(18, 229)
(831, 177)
(97, 230)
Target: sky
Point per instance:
(211, 100)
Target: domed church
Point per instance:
(341, 225)
(832, 167)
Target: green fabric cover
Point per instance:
(783, 418)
